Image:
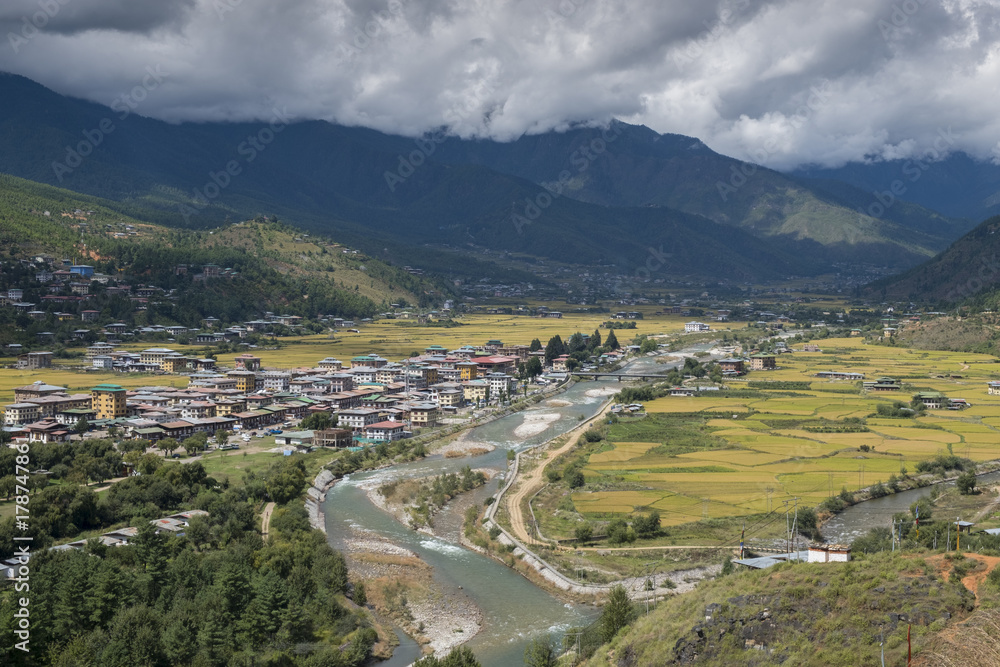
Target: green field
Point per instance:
(768, 456)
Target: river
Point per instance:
(857, 520)
(514, 610)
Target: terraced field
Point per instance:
(762, 450)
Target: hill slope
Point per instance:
(969, 267)
(958, 186)
(394, 196)
(806, 614)
(277, 268)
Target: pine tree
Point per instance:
(612, 342)
(616, 614)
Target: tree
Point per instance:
(540, 653)
(584, 532)
(575, 478)
(460, 656)
(612, 342)
(167, 445)
(616, 614)
(318, 421)
(595, 340)
(966, 483)
(360, 597)
(648, 345)
(554, 348)
(533, 368)
(647, 525)
(221, 437)
(535, 346)
(81, 426)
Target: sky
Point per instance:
(783, 83)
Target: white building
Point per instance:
(829, 553)
(692, 327)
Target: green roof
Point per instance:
(108, 387)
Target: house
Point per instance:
(762, 362)
(840, 375)
(496, 364)
(247, 362)
(294, 438)
(559, 363)
(882, 384)
(357, 419)
(36, 390)
(155, 355)
(331, 364)
(384, 431)
(694, 327)
(994, 387)
(102, 362)
(681, 391)
(423, 414)
(20, 413)
(47, 430)
(932, 400)
(811, 347)
(732, 366)
(82, 270)
(34, 360)
(829, 553)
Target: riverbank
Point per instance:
(400, 587)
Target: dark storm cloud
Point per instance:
(824, 81)
(68, 17)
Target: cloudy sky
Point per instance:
(787, 82)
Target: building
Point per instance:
(246, 381)
(385, 431)
(102, 362)
(695, 327)
(559, 363)
(108, 401)
(20, 413)
(932, 400)
(34, 360)
(732, 366)
(155, 355)
(994, 387)
(829, 553)
(763, 362)
(247, 362)
(882, 384)
(36, 390)
(424, 414)
(333, 437)
(331, 364)
(840, 375)
(468, 370)
(357, 419)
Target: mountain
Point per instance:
(969, 267)
(959, 186)
(643, 203)
(274, 267)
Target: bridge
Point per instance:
(619, 375)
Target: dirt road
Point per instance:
(265, 519)
(530, 482)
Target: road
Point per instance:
(534, 480)
(265, 519)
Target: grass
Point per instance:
(805, 614)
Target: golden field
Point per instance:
(768, 458)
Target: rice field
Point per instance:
(772, 458)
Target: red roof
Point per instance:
(386, 424)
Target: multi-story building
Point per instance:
(246, 381)
(108, 401)
(20, 413)
(155, 355)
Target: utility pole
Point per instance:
(795, 529)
